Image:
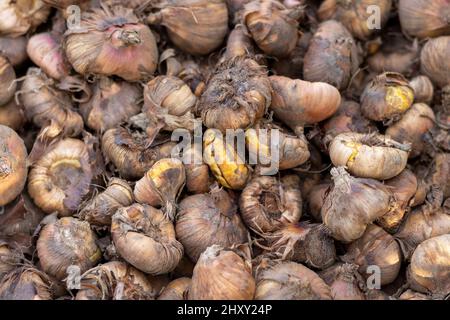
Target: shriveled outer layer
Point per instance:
(26, 283)
(434, 62)
(345, 285)
(176, 290)
(7, 76)
(19, 17)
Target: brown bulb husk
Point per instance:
(21, 16)
(198, 177)
(13, 165)
(197, 27)
(209, 219)
(355, 15)
(269, 203)
(8, 84)
(115, 281)
(63, 4)
(237, 95)
(439, 174)
(224, 161)
(112, 34)
(429, 271)
(61, 178)
(424, 19)
(434, 62)
(99, 210)
(64, 243)
(11, 115)
(298, 103)
(162, 185)
(14, 49)
(286, 280)
(376, 247)
(273, 27)
(404, 187)
(316, 199)
(332, 56)
(352, 204)
(423, 89)
(223, 274)
(413, 127)
(239, 44)
(176, 290)
(145, 238)
(345, 284)
(369, 155)
(112, 103)
(413, 295)
(129, 153)
(305, 243)
(8, 258)
(386, 97)
(45, 105)
(26, 283)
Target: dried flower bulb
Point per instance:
(225, 163)
(269, 203)
(239, 44)
(332, 56)
(352, 204)
(356, 15)
(298, 103)
(209, 219)
(26, 283)
(99, 210)
(197, 27)
(223, 274)
(273, 27)
(21, 16)
(145, 238)
(198, 177)
(161, 186)
(413, 295)
(369, 155)
(112, 103)
(45, 105)
(434, 62)
(115, 280)
(14, 49)
(176, 290)
(112, 34)
(429, 271)
(376, 247)
(424, 19)
(423, 89)
(316, 199)
(345, 285)
(237, 95)
(7, 81)
(285, 280)
(8, 258)
(129, 153)
(386, 97)
(11, 115)
(64, 243)
(413, 127)
(440, 173)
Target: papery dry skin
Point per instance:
(345, 285)
(61, 178)
(176, 290)
(429, 271)
(423, 89)
(209, 219)
(269, 203)
(332, 56)
(198, 177)
(197, 27)
(45, 105)
(285, 280)
(376, 247)
(298, 103)
(424, 19)
(413, 295)
(434, 62)
(225, 163)
(145, 238)
(115, 281)
(239, 44)
(235, 9)
(352, 204)
(369, 155)
(412, 127)
(13, 165)
(130, 154)
(64, 243)
(386, 97)
(237, 95)
(20, 16)
(112, 34)
(223, 274)
(112, 103)
(404, 187)
(100, 209)
(14, 49)
(316, 199)
(8, 259)
(356, 15)
(11, 115)
(26, 283)
(162, 185)
(439, 174)
(7, 81)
